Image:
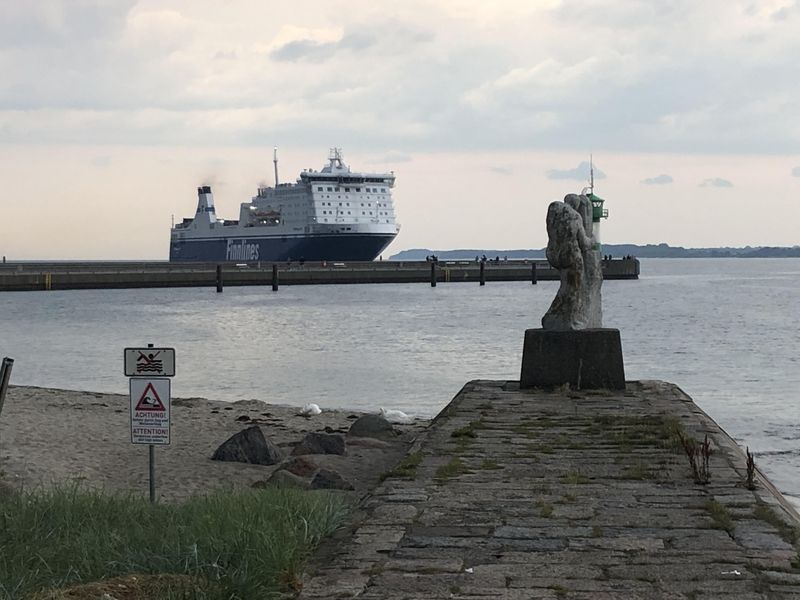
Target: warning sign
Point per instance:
(150, 362)
(150, 399)
(150, 402)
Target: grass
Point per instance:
(789, 533)
(660, 430)
(405, 468)
(452, 469)
(720, 516)
(574, 477)
(545, 509)
(235, 545)
(469, 431)
(638, 471)
(490, 464)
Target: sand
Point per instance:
(50, 436)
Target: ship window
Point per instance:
(319, 189)
(337, 189)
(346, 189)
(358, 189)
(362, 212)
(370, 212)
(362, 204)
(326, 220)
(383, 190)
(340, 203)
(348, 212)
(330, 189)
(348, 204)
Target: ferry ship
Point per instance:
(333, 214)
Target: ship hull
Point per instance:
(336, 247)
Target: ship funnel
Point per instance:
(205, 205)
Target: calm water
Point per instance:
(725, 330)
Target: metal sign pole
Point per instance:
(152, 467)
(152, 473)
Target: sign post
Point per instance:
(149, 369)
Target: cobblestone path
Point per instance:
(516, 494)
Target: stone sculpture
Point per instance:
(571, 250)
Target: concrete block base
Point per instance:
(585, 359)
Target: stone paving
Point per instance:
(565, 495)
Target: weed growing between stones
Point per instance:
(454, 468)
(788, 532)
(597, 531)
(405, 468)
(750, 481)
(545, 509)
(574, 477)
(699, 454)
(639, 471)
(720, 517)
(469, 431)
(490, 464)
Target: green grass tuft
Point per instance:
(245, 544)
(454, 468)
(720, 516)
(574, 477)
(490, 464)
(788, 532)
(405, 468)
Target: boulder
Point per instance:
(298, 465)
(249, 446)
(320, 443)
(372, 426)
(327, 479)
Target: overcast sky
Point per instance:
(113, 112)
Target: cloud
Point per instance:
(796, 172)
(658, 180)
(310, 50)
(716, 182)
(787, 11)
(502, 170)
(686, 77)
(392, 157)
(579, 173)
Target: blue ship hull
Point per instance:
(354, 247)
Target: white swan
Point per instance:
(309, 410)
(396, 416)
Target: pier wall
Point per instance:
(24, 276)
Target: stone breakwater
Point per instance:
(530, 494)
(102, 275)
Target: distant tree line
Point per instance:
(615, 250)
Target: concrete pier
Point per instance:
(28, 276)
(577, 495)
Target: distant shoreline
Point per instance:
(615, 250)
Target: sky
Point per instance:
(112, 112)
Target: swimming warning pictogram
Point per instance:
(150, 400)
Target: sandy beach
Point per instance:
(51, 436)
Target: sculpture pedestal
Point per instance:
(585, 359)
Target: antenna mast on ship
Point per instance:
(275, 162)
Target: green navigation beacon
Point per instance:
(598, 212)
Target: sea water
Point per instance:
(725, 330)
